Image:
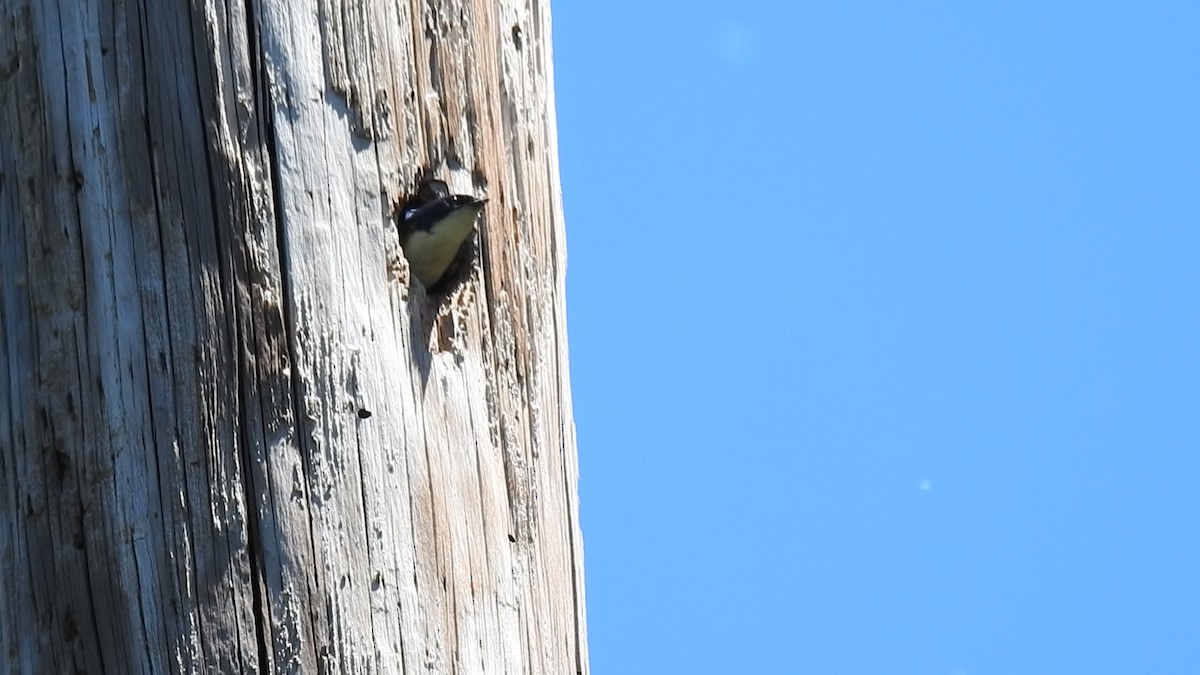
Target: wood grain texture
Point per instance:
(234, 435)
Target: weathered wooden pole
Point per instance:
(235, 436)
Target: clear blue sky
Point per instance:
(885, 334)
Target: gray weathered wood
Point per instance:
(234, 435)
